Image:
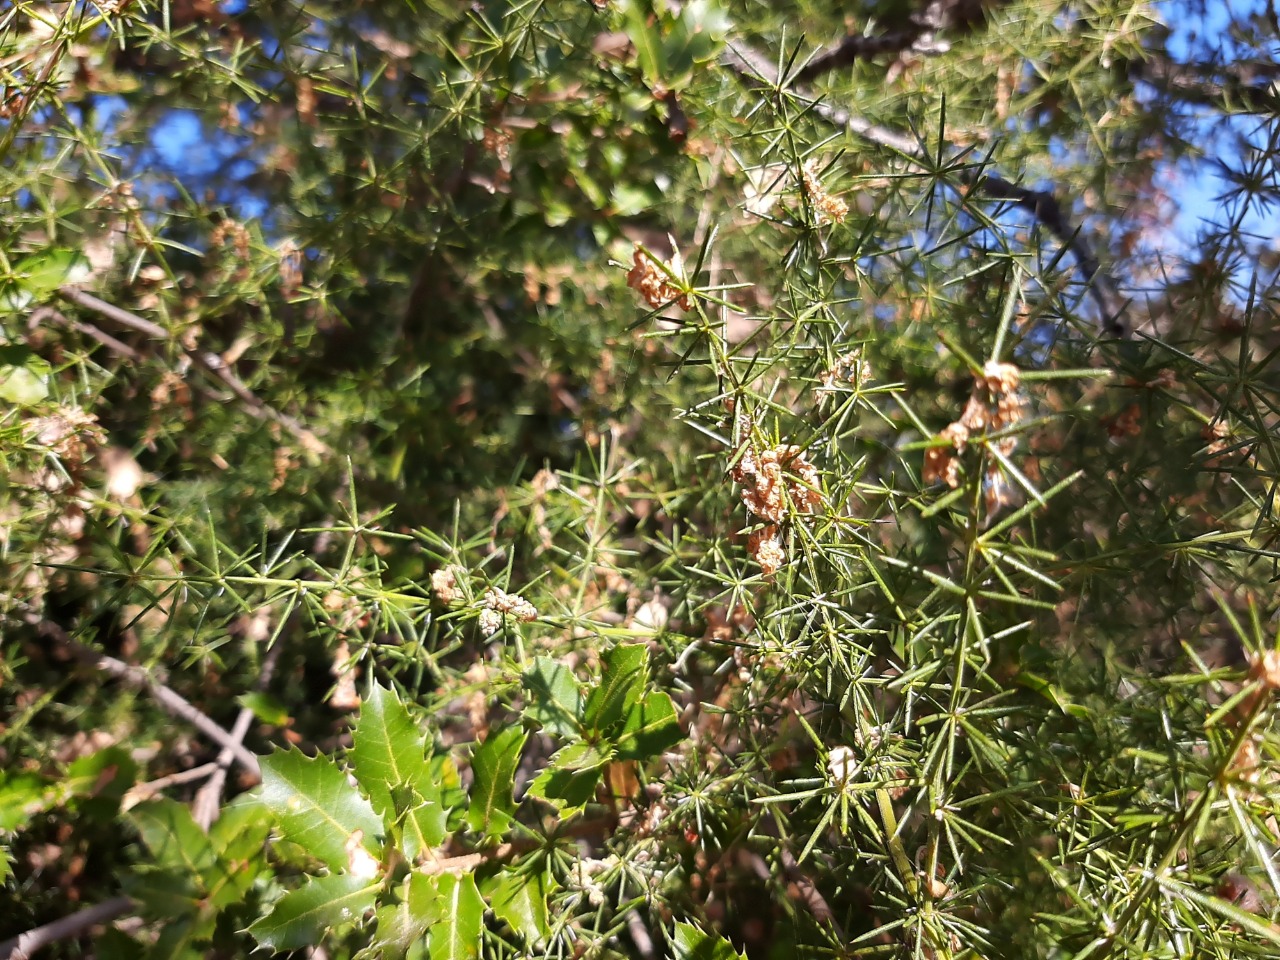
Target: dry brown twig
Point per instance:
(140, 679)
(25, 945)
(206, 360)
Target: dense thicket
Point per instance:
(616, 478)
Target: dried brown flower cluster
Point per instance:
(444, 583)
(290, 268)
(499, 603)
(648, 277)
(829, 209)
(995, 404)
(777, 480)
(848, 368)
(774, 482)
(233, 231)
(1216, 434)
(764, 544)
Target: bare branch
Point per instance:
(207, 801)
(756, 71)
(140, 679)
(918, 34)
(25, 945)
(210, 362)
(1247, 87)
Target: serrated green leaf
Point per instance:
(22, 796)
(650, 726)
(400, 925)
(690, 943)
(703, 25)
(37, 276)
(626, 668)
(643, 27)
(109, 772)
(388, 750)
(171, 834)
(238, 837)
(569, 783)
(164, 893)
(184, 939)
(300, 918)
(42, 273)
(555, 697)
(494, 765)
(24, 376)
(521, 900)
(317, 807)
(456, 935)
(265, 707)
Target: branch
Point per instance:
(1248, 87)
(757, 72)
(207, 801)
(916, 35)
(139, 679)
(210, 362)
(24, 945)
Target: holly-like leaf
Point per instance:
(318, 808)
(555, 697)
(238, 837)
(456, 934)
(690, 943)
(626, 668)
(389, 757)
(643, 25)
(402, 924)
(649, 727)
(164, 893)
(22, 796)
(388, 750)
(521, 900)
(36, 277)
(300, 918)
(494, 765)
(24, 377)
(171, 834)
(570, 781)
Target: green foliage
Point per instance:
(875, 600)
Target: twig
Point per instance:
(172, 702)
(209, 798)
(755, 70)
(88, 329)
(917, 34)
(208, 361)
(1250, 87)
(24, 945)
(145, 791)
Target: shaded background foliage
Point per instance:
(399, 226)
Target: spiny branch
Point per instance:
(208, 361)
(140, 679)
(918, 34)
(756, 71)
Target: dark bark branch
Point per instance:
(758, 72)
(210, 362)
(25, 945)
(140, 679)
(209, 798)
(917, 35)
(1247, 87)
